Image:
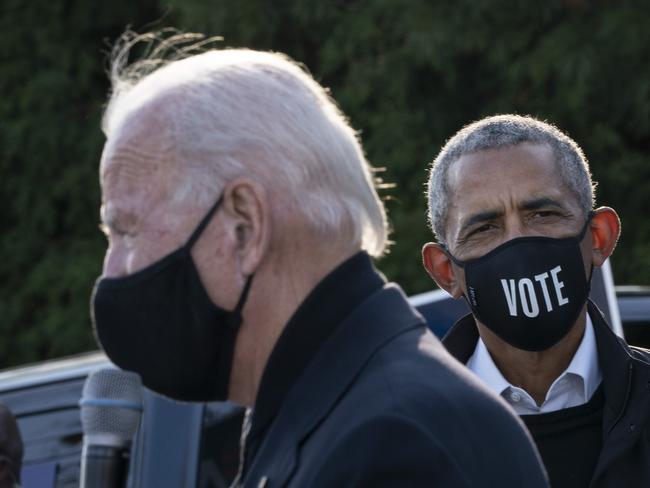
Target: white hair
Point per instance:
(234, 112)
(503, 131)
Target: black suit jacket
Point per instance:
(625, 456)
(382, 404)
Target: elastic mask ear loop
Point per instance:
(203, 224)
(590, 216)
(447, 252)
(236, 317)
(582, 233)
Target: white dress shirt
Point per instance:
(573, 387)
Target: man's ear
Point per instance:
(440, 268)
(246, 204)
(605, 228)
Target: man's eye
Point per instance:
(481, 229)
(546, 213)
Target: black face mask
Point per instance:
(160, 323)
(529, 291)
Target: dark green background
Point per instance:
(408, 73)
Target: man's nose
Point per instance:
(114, 262)
(514, 228)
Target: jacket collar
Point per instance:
(381, 317)
(616, 362)
(314, 321)
(626, 382)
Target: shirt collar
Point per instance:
(584, 365)
(482, 365)
(585, 362)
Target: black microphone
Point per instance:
(111, 407)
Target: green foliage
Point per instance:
(53, 87)
(411, 73)
(407, 73)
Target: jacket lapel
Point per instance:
(384, 315)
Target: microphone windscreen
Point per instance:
(111, 407)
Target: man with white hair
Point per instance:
(511, 204)
(241, 217)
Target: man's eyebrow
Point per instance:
(479, 218)
(537, 203)
(110, 220)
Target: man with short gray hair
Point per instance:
(241, 216)
(511, 204)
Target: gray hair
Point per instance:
(236, 112)
(503, 131)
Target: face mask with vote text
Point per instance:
(529, 291)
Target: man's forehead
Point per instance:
(506, 177)
(136, 173)
(141, 146)
(128, 166)
(507, 167)
(518, 156)
(137, 126)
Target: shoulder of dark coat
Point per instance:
(640, 353)
(422, 380)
